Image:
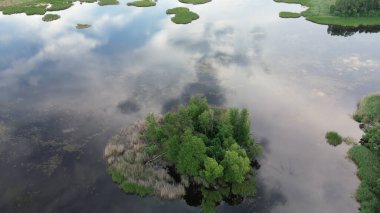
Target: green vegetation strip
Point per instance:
(50, 17)
(182, 15)
(369, 173)
(194, 1)
(323, 12)
(368, 111)
(333, 138)
(289, 15)
(142, 3)
(108, 2)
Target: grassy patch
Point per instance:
(333, 138)
(108, 2)
(289, 15)
(130, 187)
(319, 12)
(369, 173)
(50, 17)
(368, 111)
(182, 15)
(32, 10)
(142, 3)
(82, 26)
(194, 1)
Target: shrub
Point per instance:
(333, 138)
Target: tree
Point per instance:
(212, 170)
(191, 154)
(235, 166)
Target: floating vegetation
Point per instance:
(349, 140)
(83, 26)
(142, 3)
(182, 15)
(108, 2)
(289, 15)
(333, 138)
(368, 111)
(194, 1)
(50, 17)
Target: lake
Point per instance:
(65, 92)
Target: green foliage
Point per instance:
(333, 138)
(142, 3)
(82, 26)
(31, 10)
(212, 170)
(368, 111)
(372, 139)
(210, 146)
(236, 166)
(182, 15)
(50, 17)
(136, 189)
(368, 193)
(191, 155)
(352, 8)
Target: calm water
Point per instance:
(65, 92)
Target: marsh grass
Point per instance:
(142, 3)
(368, 111)
(108, 2)
(369, 173)
(319, 12)
(182, 15)
(50, 17)
(289, 15)
(194, 1)
(333, 138)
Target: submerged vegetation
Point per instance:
(82, 26)
(196, 148)
(182, 15)
(341, 12)
(50, 17)
(333, 138)
(367, 155)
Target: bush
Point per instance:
(333, 138)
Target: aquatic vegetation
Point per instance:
(82, 26)
(320, 12)
(209, 150)
(194, 1)
(333, 138)
(368, 111)
(349, 140)
(142, 3)
(289, 15)
(108, 2)
(182, 15)
(369, 173)
(50, 17)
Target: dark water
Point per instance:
(65, 92)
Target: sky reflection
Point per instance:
(296, 80)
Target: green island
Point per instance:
(352, 13)
(82, 26)
(108, 2)
(333, 138)
(182, 15)
(367, 155)
(142, 3)
(203, 154)
(194, 1)
(50, 17)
